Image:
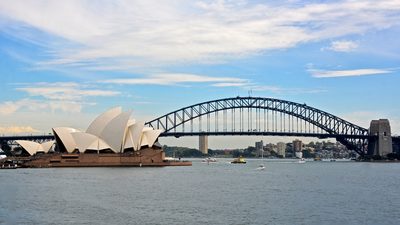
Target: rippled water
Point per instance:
(220, 193)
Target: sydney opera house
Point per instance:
(112, 139)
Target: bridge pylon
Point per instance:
(381, 142)
(203, 144)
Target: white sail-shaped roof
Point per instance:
(143, 138)
(134, 135)
(151, 136)
(30, 146)
(131, 122)
(98, 125)
(144, 141)
(86, 141)
(46, 146)
(64, 133)
(111, 130)
(128, 141)
(146, 129)
(98, 145)
(83, 140)
(114, 132)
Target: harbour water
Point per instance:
(285, 192)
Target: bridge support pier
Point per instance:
(203, 144)
(382, 144)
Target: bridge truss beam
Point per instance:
(260, 116)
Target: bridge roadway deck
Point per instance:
(220, 133)
(262, 133)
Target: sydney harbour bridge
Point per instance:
(263, 117)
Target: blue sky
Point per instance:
(64, 62)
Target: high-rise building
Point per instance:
(281, 149)
(297, 146)
(259, 147)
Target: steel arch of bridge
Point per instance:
(352, 136)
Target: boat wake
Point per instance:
(261, 167)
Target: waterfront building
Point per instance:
(269, 149)
(112, 139)
(297, 146)
(281, 149)
(111, 132)
(259, 148)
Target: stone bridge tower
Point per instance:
(203, 144)
(382, 144)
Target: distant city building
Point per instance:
(297, 146)
(281, 149)
(269, 149)
(259, 147)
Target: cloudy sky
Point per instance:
(64, 62)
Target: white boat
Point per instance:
(299, 155)
(261, 167)
(343, 160)
(329, 160)
(172, 159)
(209, 159)
(302, 160)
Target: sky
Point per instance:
(64, 62)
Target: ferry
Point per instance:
(239, 160)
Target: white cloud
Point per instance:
(229, 84)
(175, 79)
(59, 96)
(26, 104)
(17, 130)
(9, 107)
(342, 46)
(129, 34)
(281, 90)
(347, 73)
(363, 119)
(219, 82)
(64, 91)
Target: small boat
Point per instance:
(239, 160)
(328, 160)
(302, 160)
(261, 167)
(209, 159)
